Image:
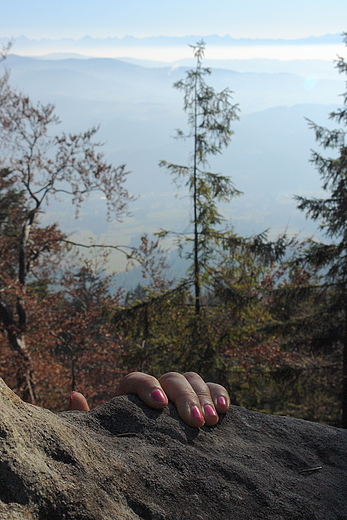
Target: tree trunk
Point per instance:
(25, 374)
(195, 206)
(16, 328)
(344, 376)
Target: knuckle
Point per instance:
(170, 375)
(135, 378)
(204, 393)
(191, 374)
(194, 378)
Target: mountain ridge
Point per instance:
(137, 110)
(212, 39)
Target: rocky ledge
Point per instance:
(125, 461)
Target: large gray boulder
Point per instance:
(125, 461)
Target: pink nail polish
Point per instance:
(158, 396)
(221, 401)
(209, 410)
(196, 414)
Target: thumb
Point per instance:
(77, 401)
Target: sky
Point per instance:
(287, 19)
(249, 19)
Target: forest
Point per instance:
(265, 318)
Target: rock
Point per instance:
(125, 461)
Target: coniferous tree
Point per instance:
(331, 213)
(210, 115)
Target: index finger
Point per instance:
(146, 387)
(180, 391)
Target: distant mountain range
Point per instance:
(212, 39)
(138, 110)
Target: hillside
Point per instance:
(138, 111)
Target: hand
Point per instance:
(197, 402)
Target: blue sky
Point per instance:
(102, 18)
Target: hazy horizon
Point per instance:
(138, 110)
(168, 50)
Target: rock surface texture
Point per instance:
(124, 461)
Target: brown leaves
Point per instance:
(35, 167)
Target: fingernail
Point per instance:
(196, 414)
(158, 396)
(209, 410)
(221, 401)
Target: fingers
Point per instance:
(180, 391)
(77, 401)
(197, 402)
(146, 387)
(213, 398)
(220, 397)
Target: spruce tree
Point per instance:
(210, 115)
(331, 213)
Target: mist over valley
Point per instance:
(138, 111)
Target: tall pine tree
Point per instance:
(210, 115)
(331, 213)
